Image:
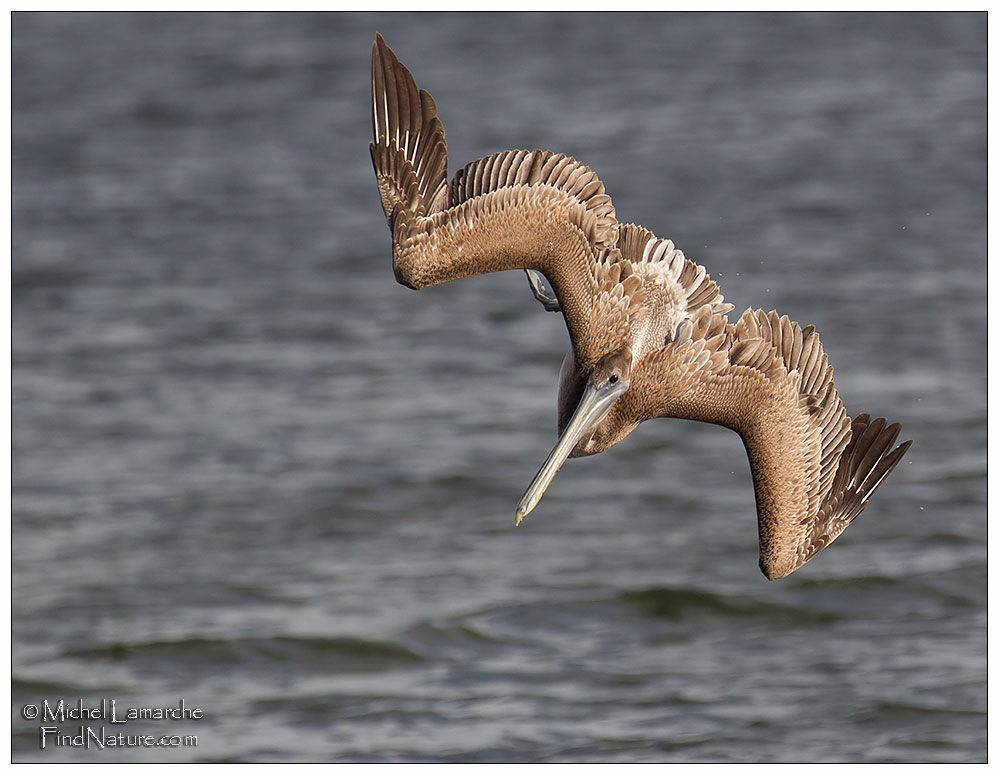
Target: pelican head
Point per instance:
(607, 381)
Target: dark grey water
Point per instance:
(253, 472)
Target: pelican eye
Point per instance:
(613, 378)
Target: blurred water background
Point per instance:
(253, 472)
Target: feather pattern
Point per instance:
(409, 152)
(626, 293)
(769, 380)
(542, 168)
(512, 210)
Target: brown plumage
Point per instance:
(648, 327)
(513, 210)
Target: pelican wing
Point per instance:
(554, 210)
(768, 379)
(515, 209)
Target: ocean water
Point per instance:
(254, 475)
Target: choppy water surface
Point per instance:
(253, 472)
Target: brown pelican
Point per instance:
(648, 327)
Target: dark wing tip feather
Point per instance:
(405, 124)
(864, 466)
(879, 459)
(887, 464)
(870, 443)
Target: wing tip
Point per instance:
(380, 49)
(408, 134)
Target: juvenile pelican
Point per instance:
(648, 327)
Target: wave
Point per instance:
(682, 603)
(336, 653)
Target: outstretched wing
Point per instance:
(409, 154)
(768, 379)
(517, 209)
